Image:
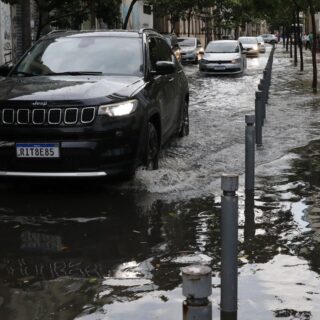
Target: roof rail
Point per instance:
(56, 31)
(147, 29)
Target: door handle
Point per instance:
(171, 79)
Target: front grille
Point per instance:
(47, 116)
(219, 61)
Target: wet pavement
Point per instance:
(86, 251)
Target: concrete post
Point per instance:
(197, 287)
(250, 153)
(229, 246)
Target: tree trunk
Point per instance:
(126, 20)
(173, 24)
(299, 40)
(314, 49)
(189, 22)
(92, 16)
(291, 54)
(295, 59)
(26, 29)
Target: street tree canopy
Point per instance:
(71, 13)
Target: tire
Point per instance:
(184, 126)
(152, 148)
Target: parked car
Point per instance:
(222, 57)
(269, 38)
(172, 40)
(73, 107)
(191, 49)
(261, 44)
(250, 44)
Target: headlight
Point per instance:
(255, 47)
(236, 60)
(118, 109)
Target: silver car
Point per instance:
(261, 44)
(251, 45)
(191, 49)
(223, 57)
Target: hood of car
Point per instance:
(221, 56)
(186, 49)
(249, 45)
(68, 87)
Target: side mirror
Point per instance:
(4, 70)
(165, 67)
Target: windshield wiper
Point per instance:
(74, 73)
(27, 74)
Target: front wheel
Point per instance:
(184, 127)
(152, 148)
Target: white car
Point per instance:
(223, 57)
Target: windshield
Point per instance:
(222, 47)
(187, 42)
(96, 55)
(250, 40)
(260, 39)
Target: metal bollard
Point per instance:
(250, 153)
(266, 77)
(264, 90)
(258, 117)
(197, 287)
(262, 102)
(249, 224)
(229, 245)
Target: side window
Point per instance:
(153, 52)
(165, 53)
(159, 50)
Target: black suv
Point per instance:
(91, 104)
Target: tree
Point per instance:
(126, 20)
(174, 9)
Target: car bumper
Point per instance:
(220, 68)
(252, 53)
(83, 152)
(188, 57)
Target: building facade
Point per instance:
(5, 33)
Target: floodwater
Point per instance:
(115, 251)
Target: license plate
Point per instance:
(37, 150)
(219, 68)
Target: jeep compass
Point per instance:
(91, 104)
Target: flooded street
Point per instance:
(90, 251)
